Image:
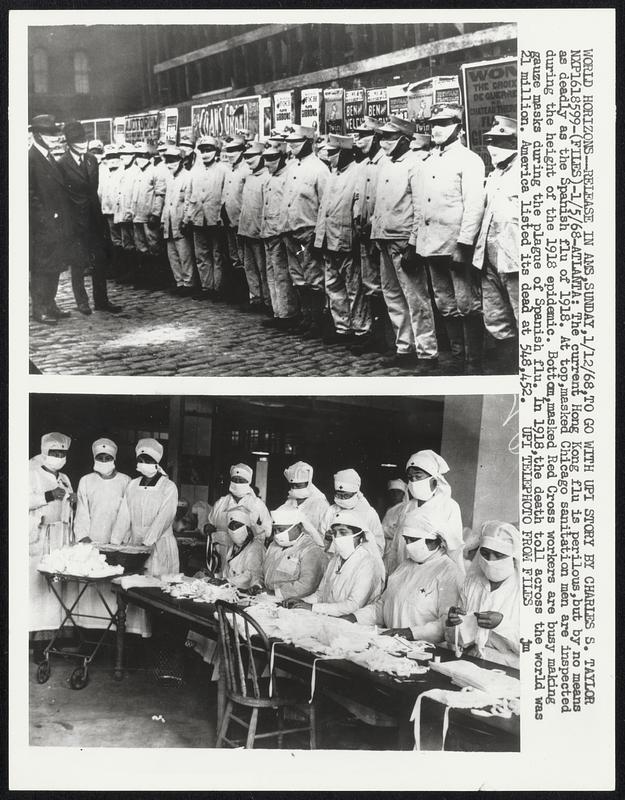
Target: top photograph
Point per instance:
(294, 200)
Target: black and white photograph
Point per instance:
(266, 572)
(273, 200)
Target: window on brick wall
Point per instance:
(81, 72)
(40, 72)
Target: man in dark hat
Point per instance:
(49, 221)
(81, 172)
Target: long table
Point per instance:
(338, 675)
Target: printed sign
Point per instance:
(424, 94)
(143, 127)
(377, 103)
(282, 110)
(354, 109)
(264, 117)
(310, 108)
(226, 117)
(489, 88)
(170, 117)
(397, 101)
(119, 130)
(333, 101)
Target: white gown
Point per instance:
(246, 568)
(370, 521)
(389, 525)
(99, 499)
(501, 644)
(418, 596)
(314, 508)
(145, 517)
(294, 571)
(348, 585)
(218, 516)
(45, 611)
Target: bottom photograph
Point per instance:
(298, 572)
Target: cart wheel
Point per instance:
(43, 671)
(79, 678)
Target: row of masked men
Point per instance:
(406, 573)
(359, 240)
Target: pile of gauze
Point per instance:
(82, 559)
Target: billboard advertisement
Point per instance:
(333, 101)
(310, 108)
(224, 117)
(354, 109)
(283, 112)
(424, 94)
(143, 127)
(377, 103)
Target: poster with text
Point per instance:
(489, 88)
(142, 127)
(242, 113)
(354, 109)
(397, 101)
(283, 114)
(119, 130)
(310, 108)
(333, 101)
(264, 117)
(377, 103)
(423, 94)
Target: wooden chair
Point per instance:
(243, 663)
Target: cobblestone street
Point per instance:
(159, 334)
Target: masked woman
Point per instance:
(488, 610)
(50, 502)
(355, 575)
(429, 493)
(414, 603)
(305, 496)
(347, 495)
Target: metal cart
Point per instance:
(87, 649)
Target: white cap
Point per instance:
(500, 537)
(429, 461)
(54, 441)
(347, 517)
(241, 471)
(149, 447)
(104, 446)
(396, 483)
(347, 480)
(286, 515)
(417, 525)
(300, 472)
(241, 515)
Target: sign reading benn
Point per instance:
(489, 88)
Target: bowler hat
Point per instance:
(75, 132)
(46, 124)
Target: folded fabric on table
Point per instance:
(492, 681)
(138, 581)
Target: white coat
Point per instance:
(173, 209)
(366, 186)
(294, 571)
(501, 644)
(245, 569)
(148, 193)
(272, 222)
(203, 196)
(108, 189)
(442, 510)
(449, 200)
(304, 186)
(417, 596)
(348, 585)
(99, 499)
(394, 210)
(218, 516)
(499, 233)
(145, 517)
(335, 220)
(370, 520)
(233, 190)
(314, 508)
(125, 188)
(250, 219)
(45, 611)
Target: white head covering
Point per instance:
(423, 524)
(54, 441)
(347, 480)
(286, 515)
(149, 447)
(398, 484)
(501, 537)
(434, 465)
(104, 446)
(241, 471)
(300, 472)
(241, 515)
(344, 516)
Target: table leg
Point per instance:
(118, 674)
(221, 697)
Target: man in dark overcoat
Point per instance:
(89, 251)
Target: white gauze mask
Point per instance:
(497, 571)
(55, 462)
(149, 470)
(104, 467)
(238, 489)
(420, 490)
(418, 551)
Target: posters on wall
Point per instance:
(334, 108)
(143, 127)
(310, 108)
(397, 101)
(424, 94)
(354, 109)
(377, 103)
(283, 112)
(264, 117)
(225, 117)
(170, 119)
(119, 130)
(489, 88)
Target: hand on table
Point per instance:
(293, 602)
(406, 633)
(253, 590)
(488, 619)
